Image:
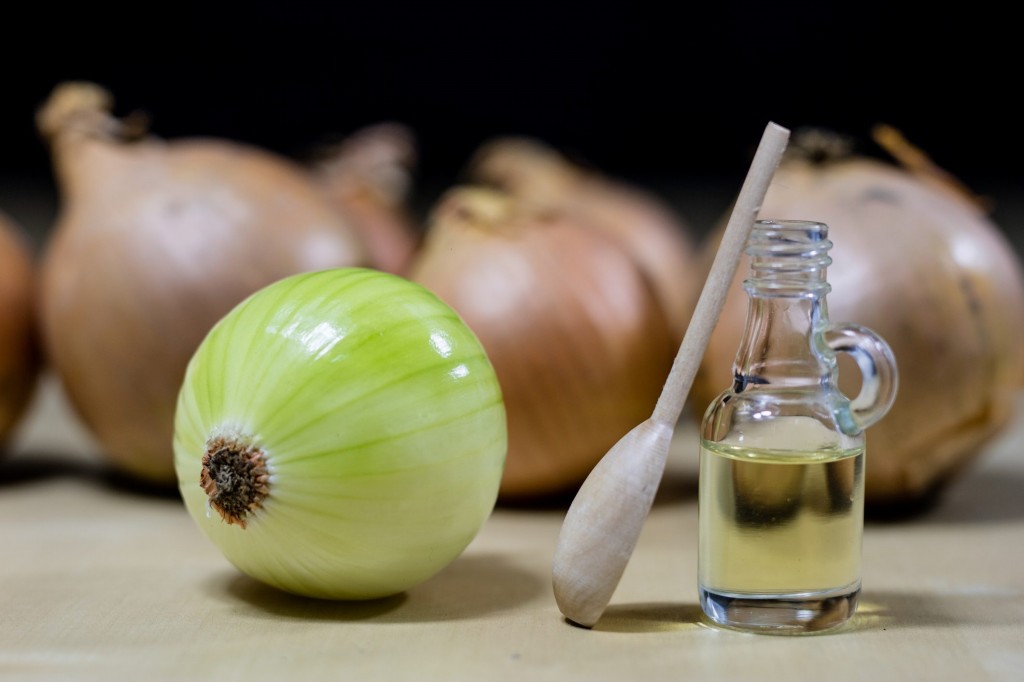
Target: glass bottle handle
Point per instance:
(877, 366)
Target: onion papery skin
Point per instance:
(571, 324)
(156, 240)
(368, 177)
(659, 239)
(926, 269)
(382, 422)
(20, 355)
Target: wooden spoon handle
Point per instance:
(712, 296)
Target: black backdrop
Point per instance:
(663, 94)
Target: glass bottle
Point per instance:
(781, 492)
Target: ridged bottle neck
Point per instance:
(788, 258)
(787, 289)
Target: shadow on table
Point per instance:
(471, 587)
(978, 497)
(648, 617)
(969, 606)
(878, 610)
(34, 467)
(673, 488)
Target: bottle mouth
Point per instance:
(798, 238)
(788, 257)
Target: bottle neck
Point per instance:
(787, 308)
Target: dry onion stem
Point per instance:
(235, 478)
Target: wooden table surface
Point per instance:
(100, 582)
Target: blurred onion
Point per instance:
(573, 328)
(661, 242)
(155, 241)
(920, 263)
(20, 357)
(368, 177)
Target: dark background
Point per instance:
(670, 96)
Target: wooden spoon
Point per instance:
(604, 521)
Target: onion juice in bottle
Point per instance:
(782, 452)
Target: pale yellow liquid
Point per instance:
(780, 522)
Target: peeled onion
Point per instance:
(340, 434)
(155, 241)
(920, 263)
(661, 242)
(368, 177)
(20, 360)
(576, 334)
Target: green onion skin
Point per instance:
(380, 421)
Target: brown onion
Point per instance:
(20, 357)
(659, 239)
(368, 177)
(920, 263)
(577, 338)
(155, 241)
